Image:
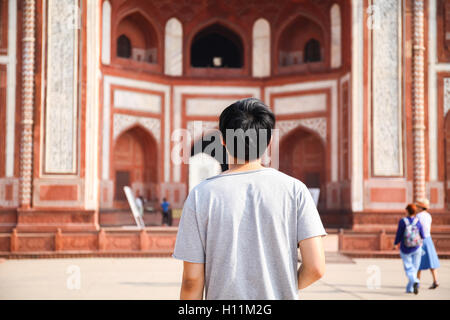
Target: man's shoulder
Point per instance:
(270, 175)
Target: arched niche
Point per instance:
(173, 65)
(302, 34)
(135, 164)
(216, 48)
(261, 48)
(142, 38)
(336, 36)
(303, 156)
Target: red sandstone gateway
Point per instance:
(92, 92)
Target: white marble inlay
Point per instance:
(106, 33)
(173, 65)
(206, 106)
(301, 104)
(62, 82)
(123, 122)
(357, 104)
(137, 101)
(318, 125)
(11, 88)
(336, 29)
(386, 110)
(261, 48)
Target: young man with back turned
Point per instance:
(239, 230)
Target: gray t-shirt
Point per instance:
(245, 227)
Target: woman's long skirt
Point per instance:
(430, 258)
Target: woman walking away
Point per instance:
(430, 258)
(409, 236)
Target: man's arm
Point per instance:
(193, 281)
(313, 262)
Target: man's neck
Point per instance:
(248, 166)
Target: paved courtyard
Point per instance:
(159, 278)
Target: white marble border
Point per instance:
(432, 95)
(357, 92)
(327, 84)
(11, 62)
(179, 91)
(138, 84)
(342, 81)
(92, 105)
(61, 157)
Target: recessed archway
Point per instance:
(217, 46)
(135, 165)
(135, 31)
(301, 42)
(303, 156)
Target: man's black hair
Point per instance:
(242, 118)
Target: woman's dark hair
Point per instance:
(246, 128)
(412, 209)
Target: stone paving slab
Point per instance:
(159, 278)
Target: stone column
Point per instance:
(418, 100)
(28, 65)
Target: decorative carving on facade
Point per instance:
(28, 67)
(386, 110)
(418, 85)
(205, 126)
(62, 82)
(318, 125)
(123, 122)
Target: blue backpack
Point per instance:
(412, 236)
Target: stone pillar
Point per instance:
(419, 100)
(28, 65)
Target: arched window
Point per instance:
(137, 40)
(312, 51)
(123, 47)
(217, 47)
(302, 41)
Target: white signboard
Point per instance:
(134, 209)
(315, 193)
